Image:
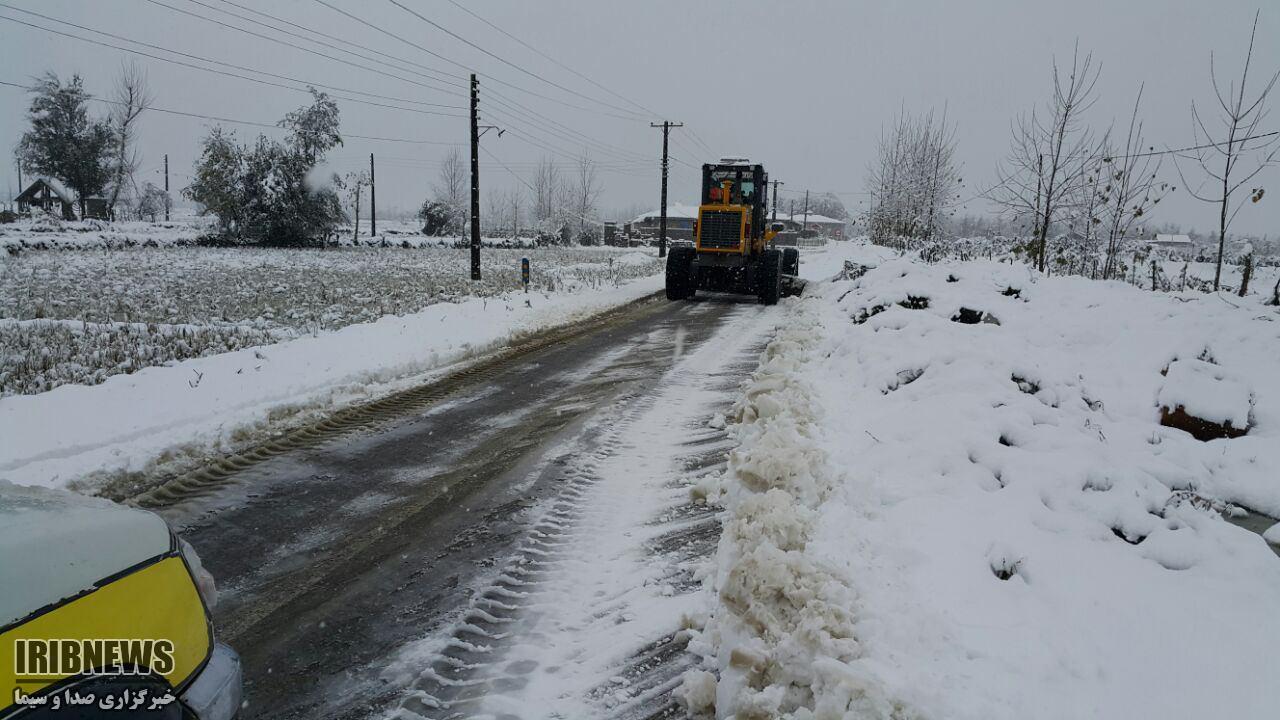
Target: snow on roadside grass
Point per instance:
(954, 498)
(141, 307)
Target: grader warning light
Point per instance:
(732, 251)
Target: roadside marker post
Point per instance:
(524, 273)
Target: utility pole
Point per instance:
(776, 183)
(1039, 185)
(792, 213)
(167, 201)
(476, 131)
(373, 202)
(475, 178)
(806, 211)
(662, 223)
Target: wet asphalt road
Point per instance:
(331, 559)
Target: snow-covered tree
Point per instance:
(218, 183)
(132, 98)
(151, 202)
(913, 180)
(64, 141)
(451, 190)
(267, 193)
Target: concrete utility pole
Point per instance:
(806, 211)
(167, 201)
(776, 183)
(475, 178)
(666, 126)
(373, 202)
(476, 131)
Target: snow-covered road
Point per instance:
(585, 619)
(529, 541)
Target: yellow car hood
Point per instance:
(55, 545)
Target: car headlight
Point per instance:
(204, 581)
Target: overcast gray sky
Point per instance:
(804, 87)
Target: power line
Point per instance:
(504, 61)
(210, 70)
(700, 141)
(444, 75)
(296, 47)
(451, 61)
(251, 123)
(467, 10)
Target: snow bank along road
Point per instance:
(953, 497)
(525, 547)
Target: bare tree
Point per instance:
(1130, 188)
(354, 184)
(586, 190)
(131, 98)
(546, 187)
(1050, 158)
(1241, 156)
(514, 201)
(451, 188)
(913, 179)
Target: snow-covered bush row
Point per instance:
(125, 310)
(955, 498)
(48, 233)
(39, 355)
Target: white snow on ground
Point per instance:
(930, 518)
(62, 435)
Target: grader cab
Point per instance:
(732, 248)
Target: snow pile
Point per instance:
(1204, 390)
(784, 634)
(954, 498)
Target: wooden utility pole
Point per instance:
(776, 183)
(666, 126)
(167, 201)
(806, 211)
(373, 202)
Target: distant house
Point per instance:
(680, 221)
(51, 196)
(821, 224)
(1179, 244)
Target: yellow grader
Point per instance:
(732, 248)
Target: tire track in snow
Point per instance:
(585, 618)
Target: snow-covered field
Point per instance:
(126, 355)
(935, 518)
(81, 316)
